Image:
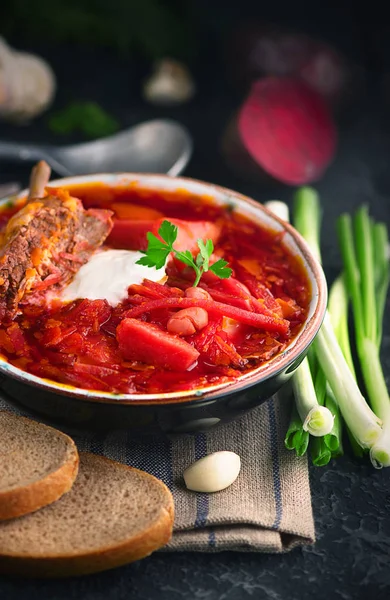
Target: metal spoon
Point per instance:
(159, 146)
(9, 189)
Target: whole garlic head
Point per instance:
(27, 84)
(169, 84)
(213, 472)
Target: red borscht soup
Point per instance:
(155, 332)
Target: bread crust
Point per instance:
(100, 559)
(29, 498)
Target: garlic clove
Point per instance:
(169, 84)
(213, 472)
(27, 84)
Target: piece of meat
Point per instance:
(45, 244)
(39, 178)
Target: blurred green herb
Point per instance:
(154, 28)
(86, 117)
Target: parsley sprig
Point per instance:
(158, 252)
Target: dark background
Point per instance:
(351, 501)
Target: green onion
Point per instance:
(361, 420)
(333, 440)
(319, 451)
(316, 419)
(296, 438)
(307, 218)
(338, 311)
(326, 398)
(365, 260)
(382, 272)
(379, 397)
(278, 208)
(366, 276)
(313, 362)
(335, 389)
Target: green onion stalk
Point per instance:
(338, 310)
(296, 438)
(315, 419)
(364, 247)
(325, 397)
(363, 423)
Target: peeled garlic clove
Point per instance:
(213, 473)
(27, 84)
(170, 83)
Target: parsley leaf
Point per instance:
(168, 232)
(199, 260)
(186, 258)
(156, 258)
(206, 250)
(154, 242)
(220, 269)
(158, 251)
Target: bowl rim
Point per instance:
(276, 365)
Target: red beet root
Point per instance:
(288, 130)
(146, 343)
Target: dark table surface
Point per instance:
(351, 500)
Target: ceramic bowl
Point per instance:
(177, 412)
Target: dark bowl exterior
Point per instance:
(147, 419)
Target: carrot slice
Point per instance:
(135, 212)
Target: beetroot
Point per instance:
(145, 342)
(288, 130)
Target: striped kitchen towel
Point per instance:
(267, 509)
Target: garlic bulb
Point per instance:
(213, 472)
(169, 84)
(27, 84)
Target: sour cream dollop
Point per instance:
(107, 276)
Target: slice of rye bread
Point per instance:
(38, 464)
(113, 515)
